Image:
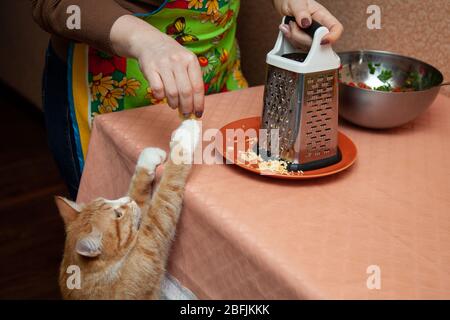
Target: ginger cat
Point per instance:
(121, 246)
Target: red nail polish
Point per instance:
(305, 23)
(324, 42)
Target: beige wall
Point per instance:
(416, 28)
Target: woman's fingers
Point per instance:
(286, 30)
(170, 87)
(325, 18)
(156, 84)
(299, 37)
(336, 31)
(295, 35)
(304, 12)
(182, 85)
(185, 98)
(198, 88)
(300, 11)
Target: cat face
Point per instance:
(104, 229)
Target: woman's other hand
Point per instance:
(172, 70)
(304, 12)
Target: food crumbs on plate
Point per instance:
(277, 166)
(272, 166)
(249, 157)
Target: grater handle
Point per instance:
(311, 30)
(320, 57)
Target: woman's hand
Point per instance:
(304, 11)
(172, 70)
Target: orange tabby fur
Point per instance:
(122, 255)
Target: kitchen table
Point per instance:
(379, 230)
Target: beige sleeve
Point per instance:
(97, 18)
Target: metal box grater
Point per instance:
(301, 101)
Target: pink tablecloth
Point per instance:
(246, 236)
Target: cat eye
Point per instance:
(118, 213)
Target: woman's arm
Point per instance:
(97, 18)
(304, 11)
(172, 70)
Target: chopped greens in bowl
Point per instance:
(385, 77)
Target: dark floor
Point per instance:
(31, 231)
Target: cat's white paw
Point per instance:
(187, 135)
(150, 158)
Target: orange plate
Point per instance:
(347, 147)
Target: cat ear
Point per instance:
(68, 210)
(90, 245)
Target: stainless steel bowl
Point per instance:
(378, 109)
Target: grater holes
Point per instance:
(281, 88)
(319, 95)
(318, 92)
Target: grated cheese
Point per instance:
(266, 167)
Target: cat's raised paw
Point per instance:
(150, 158)
(187, 135)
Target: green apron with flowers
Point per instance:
(101, 83)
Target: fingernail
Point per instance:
(305, 23)
(284, 28)
(186, 115)
(198, 114)
(326, 41)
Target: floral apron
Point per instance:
(101, 83)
